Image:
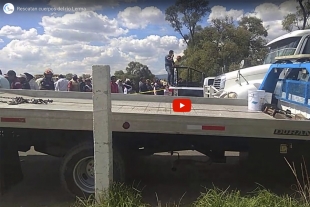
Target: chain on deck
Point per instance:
(21, 100)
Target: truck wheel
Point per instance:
(77, 170)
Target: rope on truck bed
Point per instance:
(21, 100)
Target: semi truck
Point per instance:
(236, 84)
(62, 126)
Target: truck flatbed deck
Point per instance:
(150, 114)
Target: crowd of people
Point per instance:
(146, 86)
(11, 80)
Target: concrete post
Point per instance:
(103, 155)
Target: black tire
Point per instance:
(78, 153)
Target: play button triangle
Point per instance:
(181, 105)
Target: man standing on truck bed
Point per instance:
(169, 67)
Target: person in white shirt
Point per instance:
(33, 84)
(4, 83)
(61, 84)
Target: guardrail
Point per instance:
(295, 92)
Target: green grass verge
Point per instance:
(120, 195)
(260, 198)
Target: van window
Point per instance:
(307, 47)
(282, 48)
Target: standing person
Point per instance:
(30, 79)
(4, 83)
(120, 86)
(88, 86)
(74, 85)
(114, 86)
(178, 61)
(47, 82)
(149, 87)
(24, 82)
(61, 84)
(142, 86)
(82, 83)
(158, 88)
(169, 63)
(14, 80)
(127, 88)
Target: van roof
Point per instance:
(297, 33)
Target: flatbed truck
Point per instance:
(141, 126)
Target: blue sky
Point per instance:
(29, 20)
(71, 43)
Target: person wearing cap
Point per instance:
(30, 79)
(74, 84)
(24, 82)
(47, 82)
(62, 83)
(14, 80)
(169, 63)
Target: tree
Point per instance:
(187, 14)
(85, 76)
(69, 76)
(221, 46)
(134, 71)
(298, 20)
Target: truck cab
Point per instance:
(240, 81)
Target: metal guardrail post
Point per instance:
(103, 155)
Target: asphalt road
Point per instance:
(41, 185)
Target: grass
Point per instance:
(123, 196)
(120, 195)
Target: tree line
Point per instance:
(223, 44)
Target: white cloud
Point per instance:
(135, 17)
(82, 26)
(220, 12)
(271, 14)
(75, 42)
(13, 32)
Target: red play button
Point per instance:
(182, 105)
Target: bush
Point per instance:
(119, 195)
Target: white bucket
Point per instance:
(255, 100)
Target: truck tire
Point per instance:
(77, 170)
